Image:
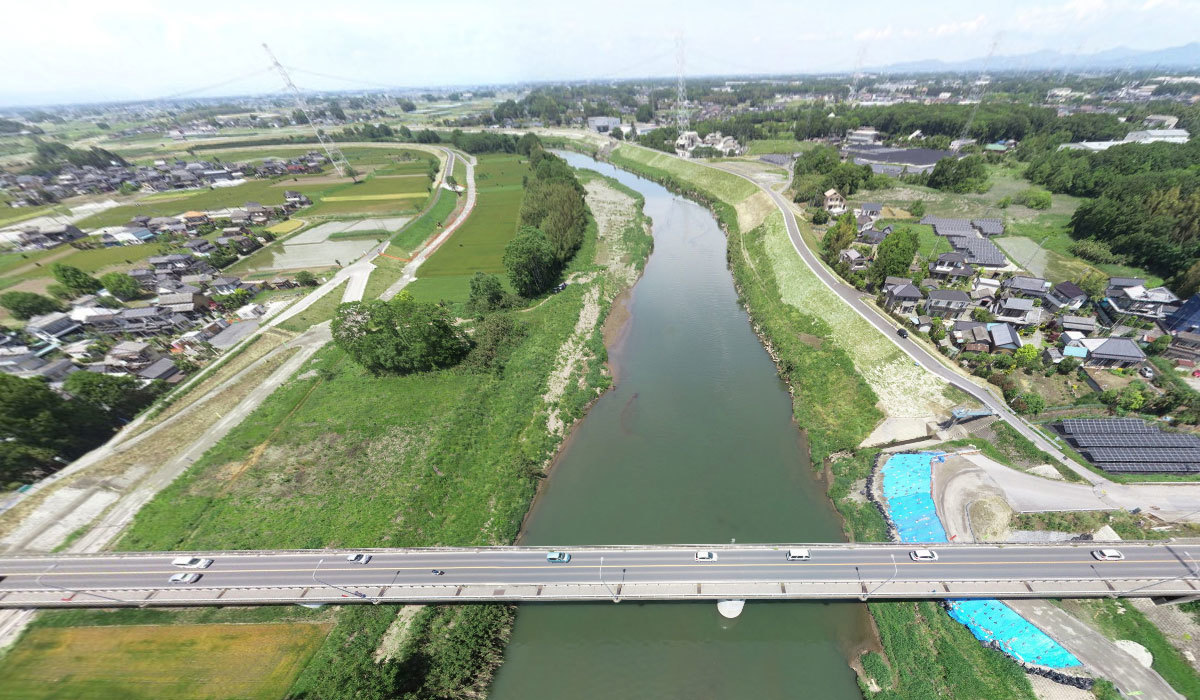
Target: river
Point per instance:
(694, 444)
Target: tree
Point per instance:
(839, 236)
(1093, 284)
(234, 300)
(304, 278)
(1159, 345)
(1027, 357)
(121, 285)
(530, 262)
(917, 208)
(25, 305)
(1034, 198)
(820, 216)
(644, 113)
(982, 315)
(617, 133)
(959, 175)
(487, 294)
(38, 428)
(223, 256)
(1187, 283)
(75, 279)
(1029, 403)
(1068, 365)
(120, 396)
(894, 255)
(298, 117)
(398, 336)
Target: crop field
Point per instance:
(152, 662)
(261, 191)
(478, 245)
(759, 147)
(283, 228)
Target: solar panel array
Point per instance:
(1138, 440)
(1142, 454)
(979, 251)
(1106, 426)
(1147, 468)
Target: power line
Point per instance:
(331, 149)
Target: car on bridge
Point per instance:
(798, 555)
(191, 562)
(923, 555)
(558, 557)
(185, 578)
(1108, 555)
(358, 558)
(706, 556)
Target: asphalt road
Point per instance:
(517, 566)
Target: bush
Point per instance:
(1034, 198)
(819, 216)
(917, 208)
(25, 305)
(1096, 251)
(398, 336)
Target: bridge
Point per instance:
(650, 572)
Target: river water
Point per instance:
(694, 444)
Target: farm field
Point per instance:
(759, 147)
(478, 245)
(261, 191)
(151, 662)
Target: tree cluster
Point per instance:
(399, 336)
(959, 175)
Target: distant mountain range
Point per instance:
(1186, 56)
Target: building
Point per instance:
(1185, 346)
(887, 160)
(834, 203)
(1082, 324)
(1066, 295)
(1155, 304)
(51, 327)
(603, 125)
(947, 303)
(972, 336)
(902, 298)
(1186, 318)
(1017, 311)
(854, 259)
(874, 236)
(1027, 286)
(1143, 136)
(951, 266)
(1003, 337)
(1110, 352)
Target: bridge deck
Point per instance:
(601, 573)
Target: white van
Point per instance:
(798, 555)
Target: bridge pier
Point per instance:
(730, 608)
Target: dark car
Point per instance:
(903, 333)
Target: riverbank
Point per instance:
(925, 653)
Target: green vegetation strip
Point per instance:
(321, 310)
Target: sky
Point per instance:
(73, 51)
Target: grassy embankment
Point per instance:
(321, 310)
(389, 267)
(928, 654)
(337, 457)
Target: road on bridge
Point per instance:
(650, 572)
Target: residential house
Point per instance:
(1066, 295)
(177, 264)
(1186, 318)
(871, 210)
(1110, 352)
(51, 327)
(195, 219)
(163, 369)
(1082, 324)
(947, 303)
(1185, 346)
(1004, 337)
(144, 277)
(834, 203)
(1035, 287)
(603, 125)
(902, 298)
(972, 336)
(201, 247)
(854, 259)
(130, 355)
(229, 285)
(243, 244)
(1017, 311)
(250, 312)
(239, 217)
(1155, 304)
(1052, 356)
(296, 199)
(143, 321)
(985, 290)
(951, 266)
(874, 236)
(863, 223)
(189, 304)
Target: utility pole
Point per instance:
(331, 149)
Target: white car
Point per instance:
(706, 556)
(558, 557)
(358, 558)
(191, 562)
(923, 555)
(1108, 554)
(798, 555)
(185, 578)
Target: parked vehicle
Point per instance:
(902, 332)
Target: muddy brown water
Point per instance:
(695, 444)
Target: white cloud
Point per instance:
(875, 34)
(970, 26)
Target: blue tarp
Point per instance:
(908, 487)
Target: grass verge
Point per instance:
(321, 310)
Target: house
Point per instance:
(972, 336)
(239, 217)
(902, 298)
(871, 210)
(1186, 318)
(1004, 337)
(835, 203)
(243, 244)
(603, 125)
(163, 369)
(1027, 286)
(952, 266)
(51, 327)
(985, 290)
(862, 223)
(143, 321)
(1155, 304)
(1110, 352)
(1082, 324)
(296, 199)
(1185, 346)
(250, 312)
(187, 303)
(174, 263)
(1017, 311)
(1052, 356)
(874, 236)
(282, 283)
(947, 303)
(228, 285)
(144, 277)
(1066, 295)
(200, 247)
(854, 259)
(131, 355)
(195, 219)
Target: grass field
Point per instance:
(321, 310)
(478, 245)
(728, 188)
(759, 147)
(418, 230)
(261, 191)
(1044, 247)
(152, 662)
(94, 261)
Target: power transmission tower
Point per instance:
(331, 149)
(983, 88)
(681, 111)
